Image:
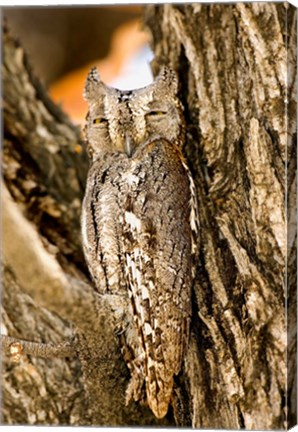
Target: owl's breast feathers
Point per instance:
(140, 213)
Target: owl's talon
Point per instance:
(119, 331)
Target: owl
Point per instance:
(140, 226)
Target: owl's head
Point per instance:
(120, 121)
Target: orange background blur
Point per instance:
(63, 43)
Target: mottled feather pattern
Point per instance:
(139, 225)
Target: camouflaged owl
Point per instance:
(140, 226)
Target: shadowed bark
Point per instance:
(237, 73)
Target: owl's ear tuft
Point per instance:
(93, 75)
(92, 84)
(167, 76)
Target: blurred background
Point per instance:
(63, 43)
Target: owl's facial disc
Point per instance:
(120, 121)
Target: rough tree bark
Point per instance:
(237, 72)
(237, 68)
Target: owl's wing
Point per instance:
(158, 255)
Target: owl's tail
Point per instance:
(159, 391)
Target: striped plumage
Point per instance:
(139, 227)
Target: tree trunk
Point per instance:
(237, 69)
(237, 73)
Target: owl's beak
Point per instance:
(128, 144)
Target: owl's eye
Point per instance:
(156, 113)
(99, 120)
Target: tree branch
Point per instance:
(15, 347)
(44, 178)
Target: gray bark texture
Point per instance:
(237, 73)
